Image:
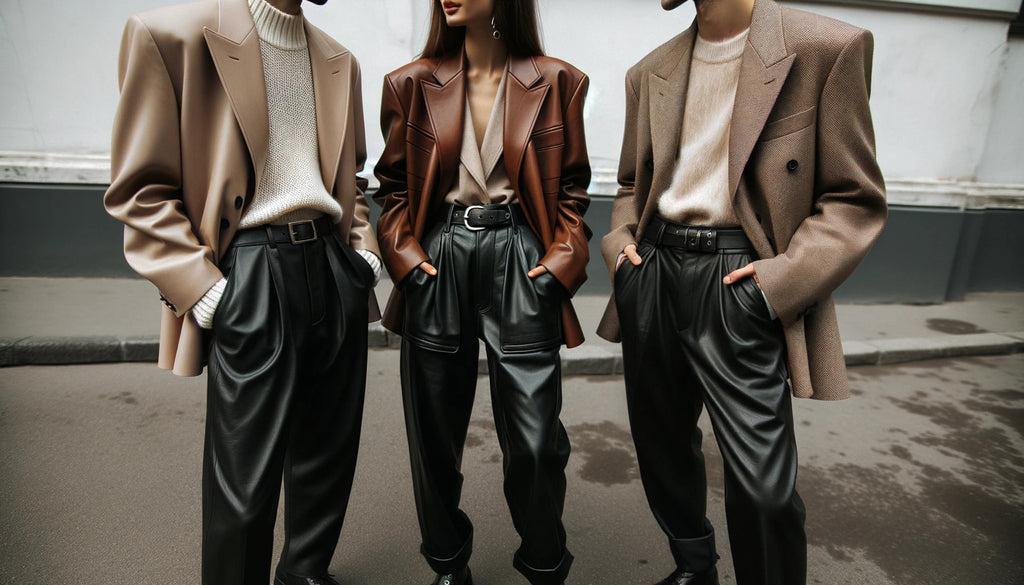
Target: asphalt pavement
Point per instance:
(916, 480)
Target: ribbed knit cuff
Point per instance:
(203, 311)
(374, 263)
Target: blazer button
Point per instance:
(224, 224)
(238, 202)
(792, 166)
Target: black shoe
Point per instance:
(681, 577)
(289, 579)
(460, 577)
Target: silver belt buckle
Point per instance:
(291, 231)
(465, 219)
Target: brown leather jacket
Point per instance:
(422, 113)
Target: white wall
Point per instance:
(941, 82)
(1003, 161)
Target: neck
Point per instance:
(484, 53)
(286, 6)
(718, 20)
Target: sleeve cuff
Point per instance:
(204, 310)
(374, 263)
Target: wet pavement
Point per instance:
(918, 479)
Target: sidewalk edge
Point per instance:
(580, 361)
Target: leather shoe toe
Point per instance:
(460, 577)
(289, 579)
(682, 577)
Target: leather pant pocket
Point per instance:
(530, 307)
(432, 302)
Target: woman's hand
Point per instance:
(428, 268)
(537, 271)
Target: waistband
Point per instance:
(662, 232)
(480, 217)
(296, 232)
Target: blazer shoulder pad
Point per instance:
(182, 23)
(419, 69)
(809, 34)
(336, 47)
(656, 58)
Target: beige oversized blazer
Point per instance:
(190, 143)
(806, 187)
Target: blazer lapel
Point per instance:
(522, 90)
(235, 49)
(764, 69)
(331, 69)
(446, 107)
(469, 154)
(490, 149)
(667, 102)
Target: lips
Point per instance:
(450, 7)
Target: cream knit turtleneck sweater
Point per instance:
(699, 193)
(292, 187)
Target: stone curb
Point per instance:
(587, 360)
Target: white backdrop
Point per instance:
(947, 89)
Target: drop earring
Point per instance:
(494, 30)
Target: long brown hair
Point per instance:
(516, 19)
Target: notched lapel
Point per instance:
(667, 88)
(446, 105)
(763, 72)
(759, 87)
(332, 93)
(240, 67)
(527, 95)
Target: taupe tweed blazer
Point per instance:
(806, 186)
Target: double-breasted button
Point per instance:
(238, 202)
(224, 223)
(792, 166)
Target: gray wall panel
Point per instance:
(925, 255)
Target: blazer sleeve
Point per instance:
(624, 210)
(400, 250)
(849, 207)
(568, 254)
(361, 236)
(146, 183)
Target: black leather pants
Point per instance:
(287, 373)
(689, 340)
(482, 291)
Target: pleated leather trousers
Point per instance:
(690, 341)
(287, 373)
(482, 292)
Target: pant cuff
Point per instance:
(452, 564)
(554, 576)
(695, 554)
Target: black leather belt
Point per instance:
(662, 232)
(296, 232)
(479, 217)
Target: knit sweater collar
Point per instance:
(720, 51)
(284, 31)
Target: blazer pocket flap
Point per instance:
(546, 138)
(419, 138)
(789, 124)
